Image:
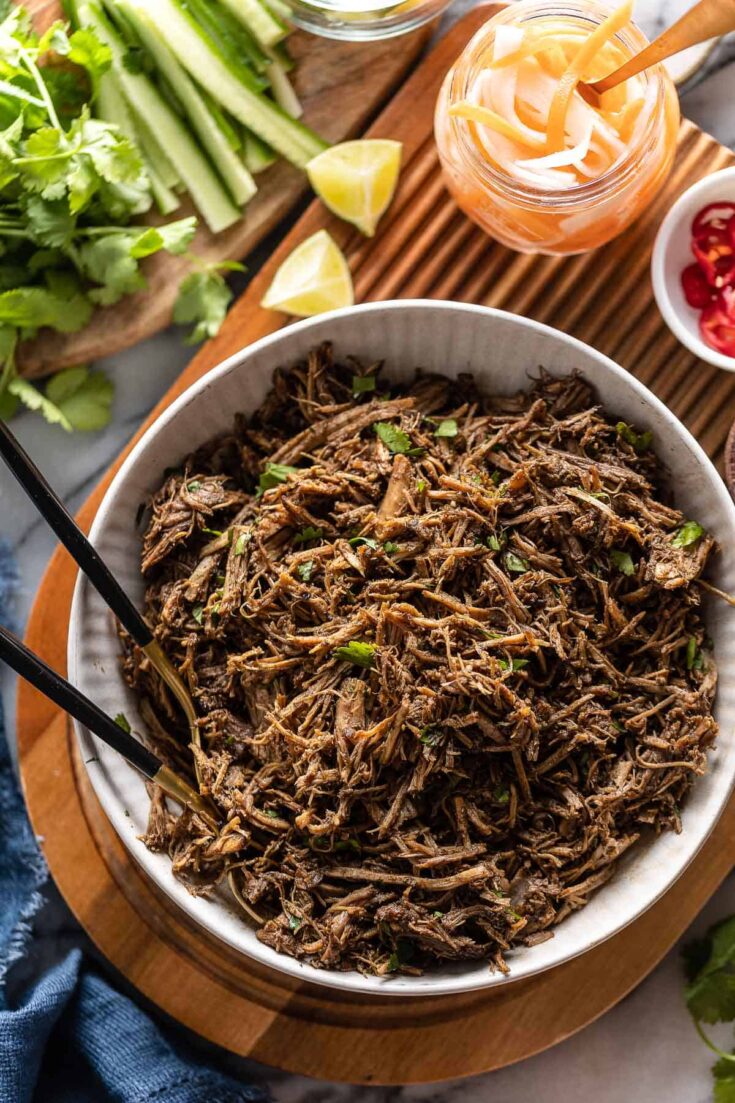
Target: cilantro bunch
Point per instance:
(710, 996)
(69, 186)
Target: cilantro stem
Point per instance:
(40, 84)
(64, 155)
(7, 89)
(711, 1045)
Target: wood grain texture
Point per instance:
(341, 85)
(425, 247)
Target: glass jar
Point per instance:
(566, 220)
(363, 20)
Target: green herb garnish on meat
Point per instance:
(689, 533)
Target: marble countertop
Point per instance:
(645, 1048)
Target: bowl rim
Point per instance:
(660, 281)
(370, 987)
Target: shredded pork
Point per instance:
(447, 671)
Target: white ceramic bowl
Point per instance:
(502, 350)
(671, 255)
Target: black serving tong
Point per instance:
(96, 570)
(23, 661)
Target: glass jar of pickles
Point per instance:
(362, 20)
(526, 155)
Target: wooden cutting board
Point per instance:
(341, 85)
(425, 247)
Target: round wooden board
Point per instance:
(425, 249)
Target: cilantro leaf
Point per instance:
(516, 664)
(694, 657)
(274, 475)
(31, 397)
(83, 397)
(639, 442)
(724, 1074)
(363, 542)
(515, 563)
(446, 428)
(710, 993)
(363, 384)
(392, 437)
(203, 299)
(307, 534)
(241, 543)
(122, 722)
(85, 49)
(174, 238)
(623, 561)
(689, 533)
(305, 570)
(357, 652)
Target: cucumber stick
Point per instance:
(234, 173)
(282, 89)
(113, 108)
(199, 56)
(201, 182)
(256, 154)
(262, 24)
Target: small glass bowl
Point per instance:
(363, 20)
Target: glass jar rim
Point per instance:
(632, 37)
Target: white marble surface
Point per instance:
(642, 1051)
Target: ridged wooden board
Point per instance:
(424, 248)
(341, 85)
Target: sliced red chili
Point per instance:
(697, 291)
(713, 215)
(717, 323)
(715, 255)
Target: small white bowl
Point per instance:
(503, 351)
(672, 253)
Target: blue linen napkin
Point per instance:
(72, 1038)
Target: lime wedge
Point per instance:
(312, 279)
(357, 180)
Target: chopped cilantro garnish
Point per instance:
(689, 533)
(694, 657)
(198, 613)
(295, 923)
(307, 534)
(305, 570)
(515, 563)
(640, 442)
(348, 844)
(429, 735)
(402, 954)
(363, 384)
(241, 543)
(212, 532)
(516, 664)
(501, 794)
(390, 548)
(496, 541)
(363, 542)
(623, 561)
(446, 428)
(395, 439)
(421, 486)
(193, 485)
(274, 475)
(357, 652)
(122, 722)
